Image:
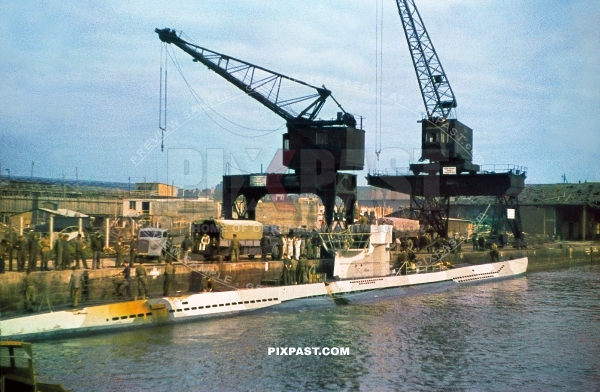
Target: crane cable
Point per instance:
(205, 106)
(378, 74)
(161, 126)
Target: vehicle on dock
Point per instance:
(151, 242)
(274, 243)
(247, 232)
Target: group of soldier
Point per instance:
(295, 247)
(295, 271)
(63, 252)
(27, 251)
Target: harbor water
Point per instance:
(538, 332)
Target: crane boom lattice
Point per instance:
(436, 91)
(285, 96)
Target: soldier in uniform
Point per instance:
(302, 270)
(10, 244)
(213, 249)
(28, 289)
(287, 271)
(481, 243)
(44, 245)
(309, 248)
(75, 285)
(141, 275)
(80, 246)
(132, 250)
(263, 248)
(235, 249)
(168, 250)
(67, 252)
(59, 246)
(209, 285)
(186, 247)
(196, 245)
(119, 251)
(22, 252)
(494, 254)
(123, 282)
(97, 244)
(34, 251)
(169, 277)
(2, 255)
(474, 241)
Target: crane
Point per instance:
(445, 142)
(316, 149)
(448, 146)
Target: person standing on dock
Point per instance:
(169, 277)
(474, 241)
(22, 248)
(235, 249)
(297, 243)
(141, 275)
(132, 250)
(204, 242)
(75, 284)
(263, 248)
(34, 251)
(287, 271)
(168, 250)
(58, 252)
(119, 252)
(45, 247)
(28, 291)
(186, 247)
(302, 270)
(127, 279)
(209, 285)
(3, 244)
(80, 246)
(97, 248)
(196, 246)
(290, 247)
(494, 254)
(67, 252)
(284, 247)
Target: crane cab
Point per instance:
(333, 147)
(446, 143)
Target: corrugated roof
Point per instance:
(587, 193)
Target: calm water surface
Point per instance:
(540, 332)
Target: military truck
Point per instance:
(248, 233)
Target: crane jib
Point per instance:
(263, 84)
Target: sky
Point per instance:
(80, 84)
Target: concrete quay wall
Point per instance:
(52, 287)
(543, 257)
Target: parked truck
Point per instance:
(248, 233)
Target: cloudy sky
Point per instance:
(80, 84)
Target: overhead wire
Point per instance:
(378, 74)
(205, 106)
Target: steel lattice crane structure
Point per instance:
(315, 149)
(446, 143)
(437, 93)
